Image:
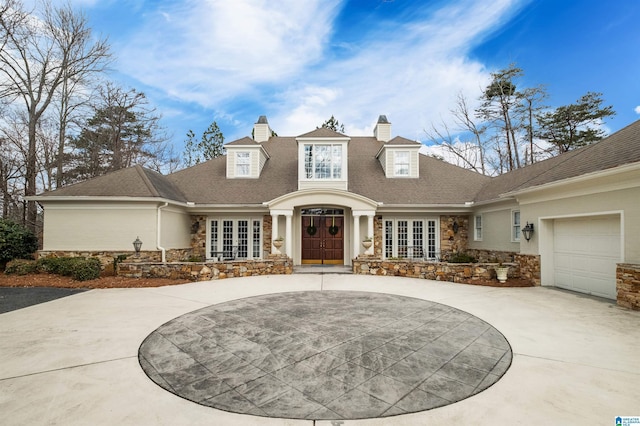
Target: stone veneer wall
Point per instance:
(205, 271)
(628, 285)
(199, 237)
(529, 267)
(450, 241)
(440, 271)
(106, 257)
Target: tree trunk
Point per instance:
(31, 172)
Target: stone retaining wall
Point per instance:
(205, 271)
(440, 271)
(106, 257)
(628, 285)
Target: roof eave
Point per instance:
(576, 179)
(45, 198)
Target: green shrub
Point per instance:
(16, 242)
(86, 269)
(21, 267)
(78, 268)
(462, 258)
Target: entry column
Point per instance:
(370, 250)
(274, 232)
(288, 244)
(356, 235)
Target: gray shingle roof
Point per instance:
(439, 182)
(323, 132)
(399, 140)
(244, 141)
(622, 147)
(135, 181)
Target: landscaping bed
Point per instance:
(52, 280)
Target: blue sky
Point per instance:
(300, 61)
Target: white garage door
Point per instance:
(586, 251)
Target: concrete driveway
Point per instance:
(75, 360)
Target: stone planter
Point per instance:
(502, 272)
(367, 244)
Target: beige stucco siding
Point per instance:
(175, 227)
(624, 203)
(93, 226)
(496, 227)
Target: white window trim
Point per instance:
(475, 227)
(425, 233)
(332, 165)
(235, 220)
(395, 164)
(246, 161)
(516, 238)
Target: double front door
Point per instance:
(323, 240)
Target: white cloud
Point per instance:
(274, 55)
(637, 109)
(211, 51)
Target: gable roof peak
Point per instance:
(322, 132)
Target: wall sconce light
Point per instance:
(195, 226)
(455, 227)
(137, 245)
(527, 231)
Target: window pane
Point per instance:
(402, 238)
(336, 161)
(308, 161)
(214, 237)
(401, 165)
(431, 235)
(323, 161)
(516, 226)
(256, 239)
(243, 239)
(388, 238)
(227, 237)
(418, 243)
(478, 227)
(243, 163)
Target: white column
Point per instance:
(356, 235)
(371, 249)
(274, 232)
(289, 235)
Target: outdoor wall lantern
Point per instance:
(527, 231)
(137, 245)
(455, 227)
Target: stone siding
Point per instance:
(205, 271)
(529, 267)
(450, 241)
(439, 271)
(106, 258)
(628, 285)
(199, 236)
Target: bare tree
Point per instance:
(469, 153)
(38, 54)
(500, 99)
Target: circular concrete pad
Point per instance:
(325, 355)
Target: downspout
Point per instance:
(159, 234)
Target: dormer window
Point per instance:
(243, 164)
(323, 161)
(401, 163)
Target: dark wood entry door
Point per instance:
(323, 247)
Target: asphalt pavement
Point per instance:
(13, 298)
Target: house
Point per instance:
(324, 192)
